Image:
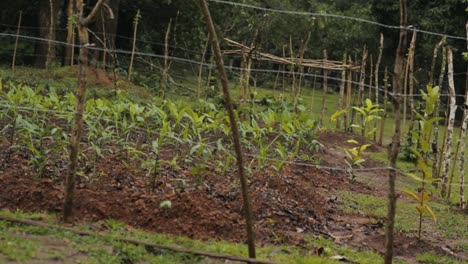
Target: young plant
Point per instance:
(424, 138)
(369, 112)
(355, 157)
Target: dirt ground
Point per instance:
(301, 200)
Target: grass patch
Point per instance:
(450, 224)
(106, 249)
(435, 259)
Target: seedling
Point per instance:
(355, 157)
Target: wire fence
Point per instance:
(263, 73)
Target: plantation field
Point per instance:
(163, 171)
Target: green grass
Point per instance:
(449, 225)
(106, 249)
(435, 259)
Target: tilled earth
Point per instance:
(300, 200)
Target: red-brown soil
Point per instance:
(300, 200)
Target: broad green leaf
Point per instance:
(364, 147)
(352, 141)
(337, 114)
(412, 194)
(359, 110)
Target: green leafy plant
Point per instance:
(355, 157)
(424, 137)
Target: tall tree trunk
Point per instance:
(451, 124)
(398, 79)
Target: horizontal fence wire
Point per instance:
(204, 64)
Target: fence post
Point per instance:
(13, 62)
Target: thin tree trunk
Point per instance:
(451, 124)
(462, 139)
(362, 77)
(377, 87)
(398, 79)
(70, 29)
(434, 59)
(301, 71)
(435, 142)
(325, 91)
(51, 54)
(348, 99)
(104, 40)
(452, 171)
(362, 80)
(83, 23)
(293, 66)
(13, 62)
(283, 86)
(135, 30)
(405, 93)
(200, 69)
(165, 72)
(234, 128)
(371, 77)
(411, 80)
(384, 119)
(342, 91)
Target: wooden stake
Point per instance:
(451, 124)
(13, 62)
(462, 139)
(405, 92)
(377, 87)
(135, 30)
(435, 143)
(348, 98)
(83, 23)
(234, 128)
(371, 77)
(384, 118)
(411, 80)
(70, 34)
(200, 68)
(398, 79)
(165, 72)
(325, 90)
(342, 90)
